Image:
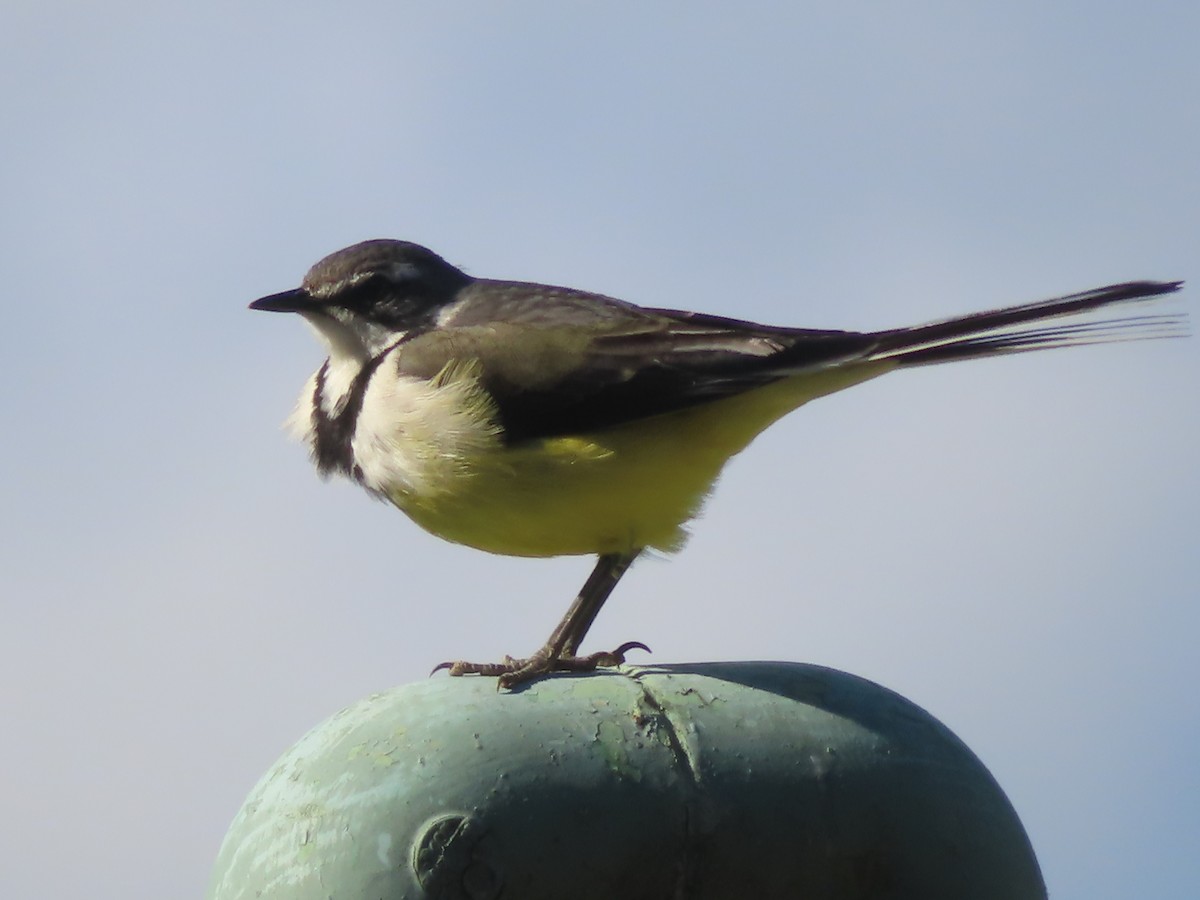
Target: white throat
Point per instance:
(351, 343)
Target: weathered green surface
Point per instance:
(721, 780)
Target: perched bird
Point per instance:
(533, 420)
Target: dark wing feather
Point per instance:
(558, 361)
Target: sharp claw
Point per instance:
(627, 646)
(442, 665)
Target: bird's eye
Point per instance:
(361, 295)
(384, 299)
(399, 294)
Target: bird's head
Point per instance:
(362, 298)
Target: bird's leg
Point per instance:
(558, 654)
(566, 638)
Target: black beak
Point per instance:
(297, 300)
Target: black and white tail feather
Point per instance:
(998, 332)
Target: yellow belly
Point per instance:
(619, 489)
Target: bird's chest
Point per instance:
(416, 440)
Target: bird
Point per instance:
(532, 420)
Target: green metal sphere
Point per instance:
(715, 781)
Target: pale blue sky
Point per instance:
(1014, 545)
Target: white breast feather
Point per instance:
(416, 439)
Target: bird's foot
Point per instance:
(513, 672)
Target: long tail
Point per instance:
(1003, 331)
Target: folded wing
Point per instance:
(558, 361)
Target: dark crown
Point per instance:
(395, 283)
